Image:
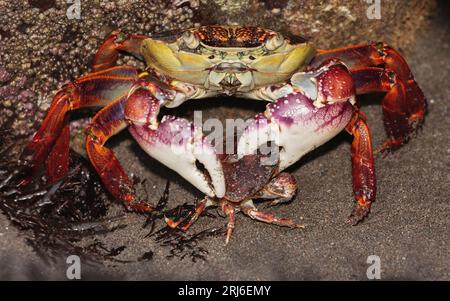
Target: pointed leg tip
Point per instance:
(185, 228)
(24, 182)
(143, 207)
(389, 146)
(358, 215)
(171, 223)
(300, 226)
(228, 237)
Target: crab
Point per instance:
(311, 94)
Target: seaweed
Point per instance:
(180, 244)
(55, 218)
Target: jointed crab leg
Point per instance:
(230, 211)
(205, 202)
(371, 79)
(108, 122)
(108, 52)
(248, 208)
(51, 141)
(363, 167)
(363, 55)
(404, 105)
(50, 144)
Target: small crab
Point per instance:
(312, 97)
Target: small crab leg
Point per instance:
(51, 141)
(198, 210)
(404, 105)
(108, 122)
(363, 167)
(108, 52)
(230, 211)
(205, 202)
(249, 209)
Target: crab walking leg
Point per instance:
(249, 209)
(57, 163)
(363, 167)
(51, 141)
(404, 105)
(205, 202)
(108, 122)
(198, 210)
(230, 211)
(107, 54)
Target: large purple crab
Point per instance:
(311, 94)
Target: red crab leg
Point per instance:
(404, 105)
(51, 141)
(198, 210)
(107, 54)
(363, 167)
(231, 213)
(250, 210)
(57, 163)
(193, 218)
(354, 56)
(108, 122)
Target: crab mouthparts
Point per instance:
(231, 67)
(230, 82)
(231, 76)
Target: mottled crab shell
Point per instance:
(233, 36)
(267, 57)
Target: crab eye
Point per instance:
(251, 57)
(211, 57)
(190, 40)
(274, 42)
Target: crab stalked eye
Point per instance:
(274, 42)
(190, 40)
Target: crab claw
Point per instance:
(301, 121)
(181, 146)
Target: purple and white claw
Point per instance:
(318, 109)
(295, 125)
(179, 145)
